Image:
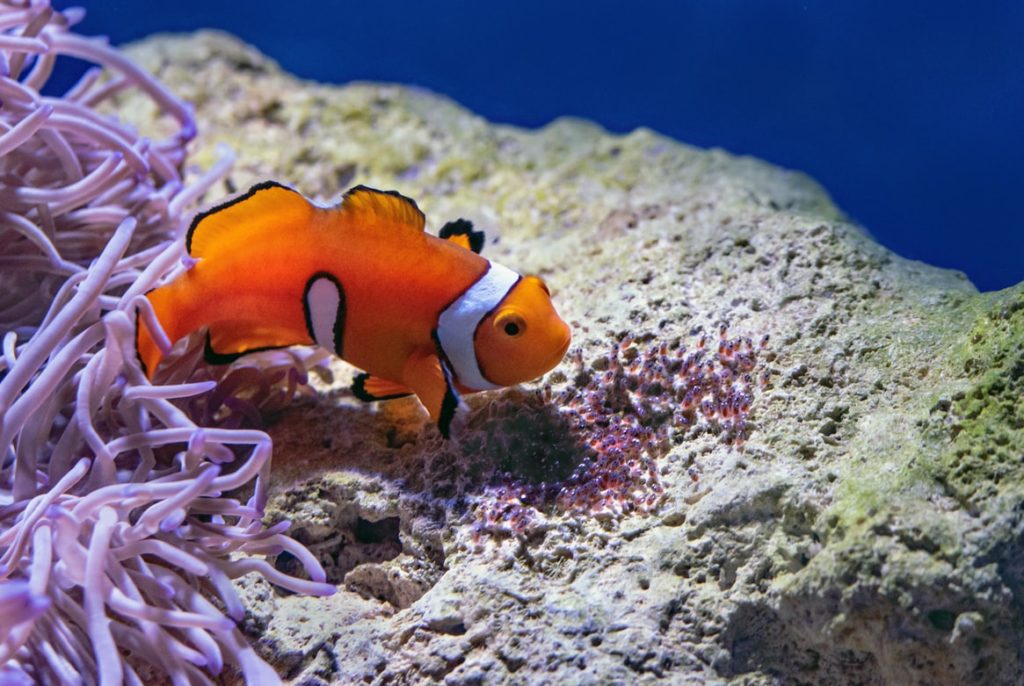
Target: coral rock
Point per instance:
(868, 531)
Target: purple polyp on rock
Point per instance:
(120, 531)
(625, 411)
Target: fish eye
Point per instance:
(511, 323)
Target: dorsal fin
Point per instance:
(369, 206)
(461, 233)
(267, 205)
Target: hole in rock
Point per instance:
(380, 531)
(356, 542)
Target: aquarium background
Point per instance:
(909, 113)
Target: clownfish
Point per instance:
(422, 315)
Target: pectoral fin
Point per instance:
(433, 384)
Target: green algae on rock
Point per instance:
(869, 533)
(986, 420)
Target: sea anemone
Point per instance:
(122, 519)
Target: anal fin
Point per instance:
(373, 388)
(451, 404)
(434, 384)
(226, 341)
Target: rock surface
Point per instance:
(868, 530)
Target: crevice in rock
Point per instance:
(356, 540)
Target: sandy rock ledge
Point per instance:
(869, 532)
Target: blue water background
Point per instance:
(909, 113)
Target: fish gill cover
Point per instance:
(126, 508)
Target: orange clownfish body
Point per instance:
(421, 314)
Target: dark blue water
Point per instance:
(908, 112)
